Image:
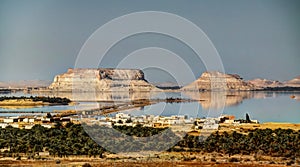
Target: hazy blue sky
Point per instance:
(255, 38)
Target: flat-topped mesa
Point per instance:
(101, 79)
(216, 81)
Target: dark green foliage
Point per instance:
(131, 139)
(248, 118)
(138, 131)
(54, 100)
(73, 140)
(86, 165)
(62, 141)
(279, 142)
(233, 160)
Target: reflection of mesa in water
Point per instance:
(107, 84)
(216, 100)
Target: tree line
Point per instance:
(278, 143)
(59, 141)
(57, 100)
(72, 139)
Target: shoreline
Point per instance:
(168, 159)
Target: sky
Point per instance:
(255, 39)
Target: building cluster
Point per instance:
(27, 122)
(123, 119)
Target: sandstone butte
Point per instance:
(109, 79)
(217, 81)
(101, 79)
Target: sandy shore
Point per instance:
(165, 159)
(26, 103)
(270, 125)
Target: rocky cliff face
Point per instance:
(219, 81)
(102, 79)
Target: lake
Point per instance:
(261, 106)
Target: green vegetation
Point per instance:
(54, 100)
(73, 140)
(59, 141)
(131, 139)
(138, 131)
(279, 142)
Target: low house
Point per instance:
(211, 124)
(105, 123)
(28, 126)
(227, 121)
(14, 125)
(3, 125)
(28, 120)
(47, 125)
(11, 119)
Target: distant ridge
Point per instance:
(24, 84)
(264, 83)
(109, 79)
(293, 82)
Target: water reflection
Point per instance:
(102, 96)
(207, 100)
(263, 106)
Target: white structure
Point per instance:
(15, 125)
(3, 125)
(10, 119)
(211, 124)
(46, 126)
(28, 126)
(28, 120)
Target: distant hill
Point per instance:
(264, 83)
(219, 81)
(25, 84)
(293, 82)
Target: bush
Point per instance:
(233, 159)
(86, 165)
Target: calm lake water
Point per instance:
(261, 106)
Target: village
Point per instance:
(124, 119)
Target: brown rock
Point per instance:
(101, 79)
(219, 81)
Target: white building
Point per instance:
(211, 124)
(10, 119)
(46, 126)
(3, 125)
(28, 126)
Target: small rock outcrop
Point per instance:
(264, 83)
(101, 79)
(216, 81)
(293, 82)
